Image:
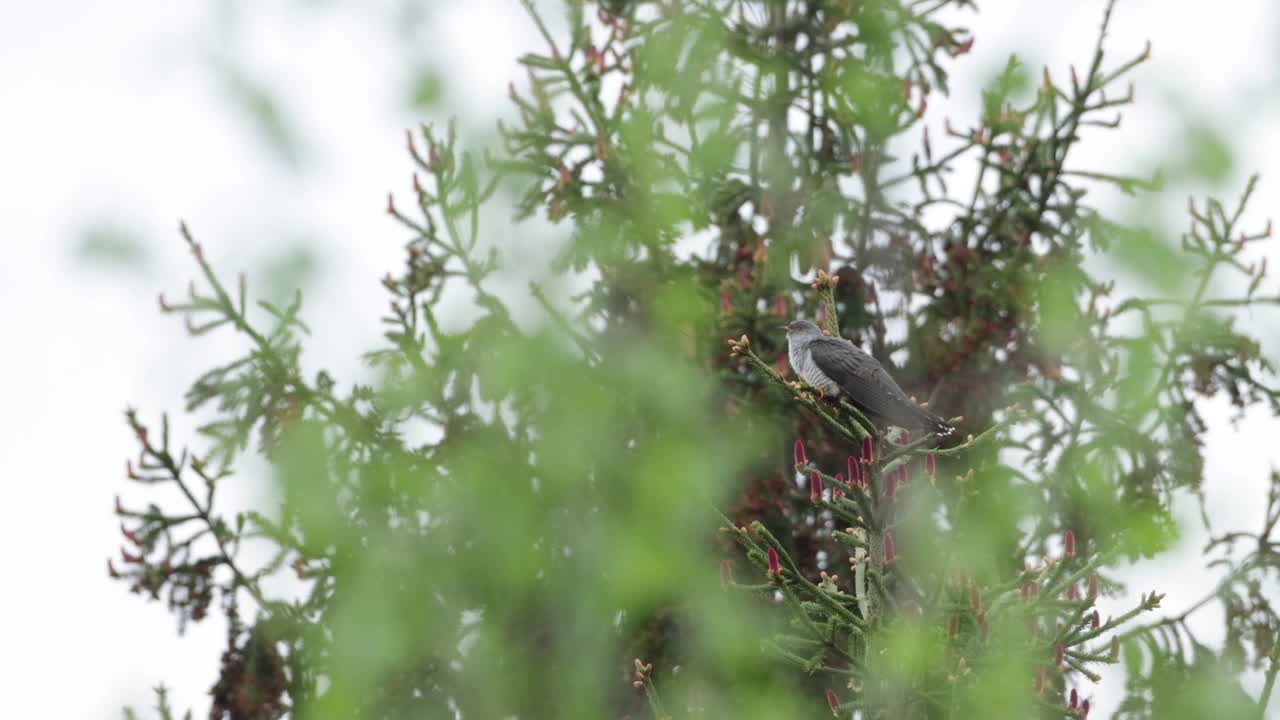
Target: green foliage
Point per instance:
(525, 520)
(264, 112)
(106, 244)
(428, 88)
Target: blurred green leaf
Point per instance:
(428, 88)
(269, 117)
(106, 244)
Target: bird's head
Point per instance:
(801, 328)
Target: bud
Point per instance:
(1070, 594)
(833, 702)
(868, 449)
(1059, 654)
(1075, 699)
(815, 486)
(890, 553)
(596, 59)
(1094, 621)
(1069, 544)
(780, 306)
(781, 365)
(855, 472)
(1092, 592)
(890, 481)
(773, 563)
(931, 465)
(130, 535)
(904, 477)
(726, 307)
(1084, 709)
(798, 452)
(975, 598)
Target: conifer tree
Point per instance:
(634, 507)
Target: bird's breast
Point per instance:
(802, 362)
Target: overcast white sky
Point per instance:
(117, 115)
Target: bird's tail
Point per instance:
(937, 425)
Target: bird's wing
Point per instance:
(867, 384)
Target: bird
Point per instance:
(837, 367)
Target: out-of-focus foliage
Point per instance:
(618, 513)
(109, 244)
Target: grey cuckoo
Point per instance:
(837, 367)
